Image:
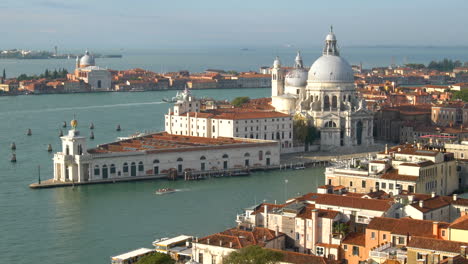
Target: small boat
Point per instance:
(299, 168)
(240, 173)
(165, 191)
(118, 128)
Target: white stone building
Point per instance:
(156, 154)
(99, 79)
(401, 168)
(326, 97)
(186, 119)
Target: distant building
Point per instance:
(98, 79)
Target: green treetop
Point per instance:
(253, 255)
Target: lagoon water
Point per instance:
(88, 224)
(233, 58)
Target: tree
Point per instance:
(238, 101)
(417, 66)
(463, 95)
(47, 74)
(303, 131)
(340, 228)
(253, 255)
(156, 258)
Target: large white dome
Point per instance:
(296, 78)
(331, 68)
(87, 60)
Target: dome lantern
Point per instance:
(330, 44)
(277, 63)
(298, 61)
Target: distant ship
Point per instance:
(179, 96)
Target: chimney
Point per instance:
(450, 260)
(435, 229)
(433, 194)
(436, 257)
(277, 231)
(421, 203)
(208, 241)
(455, 196)
(386, 148)
(230, 244)
(463, 251)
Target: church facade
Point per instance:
(325, 96)
(98, 79)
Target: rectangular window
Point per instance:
(384, 236)
(355, 251)
(390, 186)
(345, 247)
(363, 184)
(373, 235)
(384, 185)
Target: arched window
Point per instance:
(214, 130)
(112, 169)
(125, 167)
(80, 149)
(330, 124)
(326, 103)
(260, 155)
(277, 135)
(96, 170)
(141, 167)
(247, 154)
(334, 102)
(180, 159)
(202, 158)
(225, 156)
(155, 161)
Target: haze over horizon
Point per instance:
(145, 24)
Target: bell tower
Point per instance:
(67, 164)
(277, 78)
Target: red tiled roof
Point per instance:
(435, 244)
(405, 226)
(394, 175)
(358, 239)
(240, 238)
(460, 223)
(353, 202)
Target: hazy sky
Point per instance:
(197, 23)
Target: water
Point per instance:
(88, 224)
(200, 59)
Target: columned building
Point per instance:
(326, 97)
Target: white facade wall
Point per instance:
(91, 167)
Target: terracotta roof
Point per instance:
(460, 223)
(353, 202)
(240, 238)
(358, 239)
(418, 164)
(458, 259)
(394, 175)
(435, 244)
(405, 226)
(165, 142)
(431, 204)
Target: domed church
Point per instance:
(326, 97)
(98, 79)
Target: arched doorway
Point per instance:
(133, 169)
(105, 172)
(155, 167)
(359, 132)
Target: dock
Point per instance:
(51, 183)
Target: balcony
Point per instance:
(387, 251)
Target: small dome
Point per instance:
(277, 63)
(330, 37)
(330, 68)
(87, 60)
(296, 78)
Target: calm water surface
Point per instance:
(89, 224)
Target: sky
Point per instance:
(34, 24)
